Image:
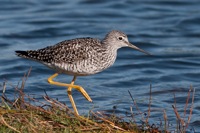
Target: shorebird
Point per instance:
(80, 57)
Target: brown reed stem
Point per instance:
(165, 119)
(191, 108)
(150, 99)
(6, 124)
(178, 116)
(187, 100)
(134, 102)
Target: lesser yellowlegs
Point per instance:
(80, 57)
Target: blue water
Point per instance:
(168, 29)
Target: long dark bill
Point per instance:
(136, 48)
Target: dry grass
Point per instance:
(26, 114)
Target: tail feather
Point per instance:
(20, 53)
(34, 55)
(30, 54)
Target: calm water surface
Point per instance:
(168, 29)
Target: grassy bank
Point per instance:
(26, 114)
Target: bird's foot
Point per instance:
(82, 91)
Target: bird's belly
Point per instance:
(78, 69)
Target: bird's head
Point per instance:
(118, 39)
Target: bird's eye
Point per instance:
(120, 38)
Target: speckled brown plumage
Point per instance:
(81, 56)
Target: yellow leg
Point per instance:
(69, 90)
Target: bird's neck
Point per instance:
(109, 46)
(111, 52)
